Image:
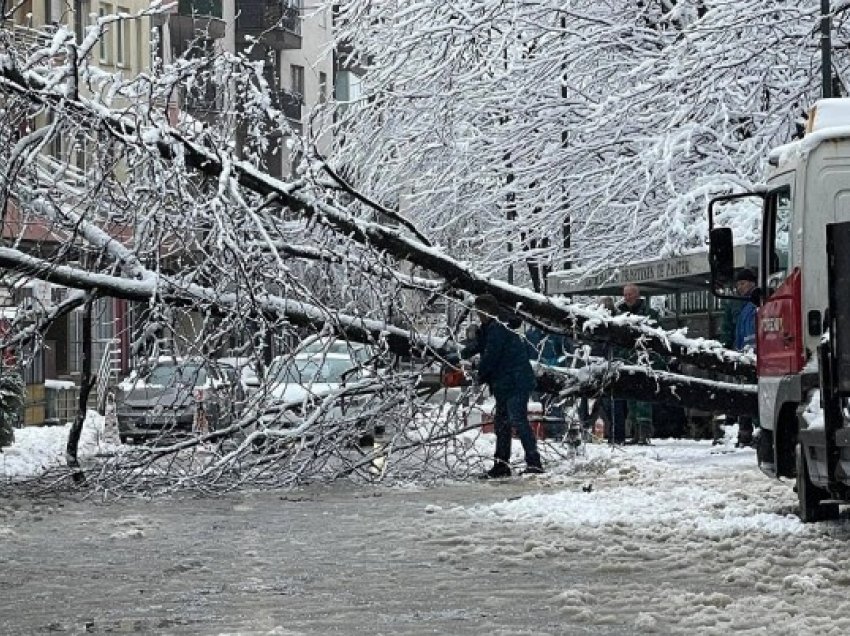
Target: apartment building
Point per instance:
(292, 39)
(295, 42)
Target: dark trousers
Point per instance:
(618, 421)
(745, 429)
(512, 413)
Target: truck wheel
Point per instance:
(810, 496)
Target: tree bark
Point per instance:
(86, 384)
(630, 382)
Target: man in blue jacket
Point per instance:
(505, 368)
(745, 325)
(745, 338)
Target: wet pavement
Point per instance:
(704, 547)
(317, 561)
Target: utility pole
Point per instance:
(825, 49)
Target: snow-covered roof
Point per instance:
(829, 113)
(828, 119)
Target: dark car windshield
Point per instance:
(183, 375)
(321, 370)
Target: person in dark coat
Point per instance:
(505, 368)
(639, 413)
(745, 338)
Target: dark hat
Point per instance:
(746, 274)
(487, 303)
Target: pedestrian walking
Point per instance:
(505, 368)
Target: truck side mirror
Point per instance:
(721, 257)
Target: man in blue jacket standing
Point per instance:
(745, 338)
(504, 366)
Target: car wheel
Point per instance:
(810, 496)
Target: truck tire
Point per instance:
(810, 496)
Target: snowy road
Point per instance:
(674, 538)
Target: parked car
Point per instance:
(297, 384)
(246, 369)
(176, 398)
(360, 353)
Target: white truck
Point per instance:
(805, 280)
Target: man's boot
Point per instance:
(533, 465)
(500, 469)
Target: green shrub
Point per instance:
(12, 391)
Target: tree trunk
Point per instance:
(86, 384)
(630, 382)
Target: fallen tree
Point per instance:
(560, 315)
(175, 217)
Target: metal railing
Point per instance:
(26, 38)
(107, 372)
(200, 8)
(269, 14)
(288, 103)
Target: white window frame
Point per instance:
(297, 75)
(122, 40)
(105, 44)
(323, 87)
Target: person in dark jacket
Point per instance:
(637, 412)
(745, 338)
(505, 368)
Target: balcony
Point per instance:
(200, 8)
(274, 22)
(191, 19)
(288, 103)
(203, 102)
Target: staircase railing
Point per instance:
(107, 372)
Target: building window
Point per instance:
(81, 19)
(106, 38)
(297, 77)
(55, 147)
(323, 87)
(140, 47)
(122, 38)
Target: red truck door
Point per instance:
(779, 337)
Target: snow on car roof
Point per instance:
(318, 355)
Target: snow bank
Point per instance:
(37, 449)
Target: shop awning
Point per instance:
(654, 277)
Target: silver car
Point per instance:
(177, 398)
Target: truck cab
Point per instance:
(806, 189)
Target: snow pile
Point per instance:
(37, 449)
(681, 486)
